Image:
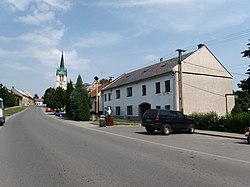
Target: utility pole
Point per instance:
(96, 100)
(180, 51)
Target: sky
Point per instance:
(107, 38)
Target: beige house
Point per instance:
(23, 98)
(206, 86)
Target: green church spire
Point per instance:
(61, 70)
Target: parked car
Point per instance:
(166, 121)
(48, 110)
(2, 115)
(247, 134)
(60, 113)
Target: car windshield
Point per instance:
(151, 113)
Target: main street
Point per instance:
(39, 150)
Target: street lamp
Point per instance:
(96, 97)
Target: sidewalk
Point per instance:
(221, 134)
(197, 131)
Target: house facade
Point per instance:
(206, 86)
(97, 100)
(22, 98)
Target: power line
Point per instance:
(215, 41)
(214, 69)
(203, 90)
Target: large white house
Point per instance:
(206, 86)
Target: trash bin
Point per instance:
(109, 121)
(102, 122)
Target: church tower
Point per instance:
(61, 75)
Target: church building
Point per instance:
(61, 75)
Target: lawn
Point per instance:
(118, 121)
(12, 110)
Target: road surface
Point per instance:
(39, 150)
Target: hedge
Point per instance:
(230, 123)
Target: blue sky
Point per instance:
(106, 38)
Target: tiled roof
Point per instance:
(100, 87)
(147, 72)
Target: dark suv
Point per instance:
(166, 121)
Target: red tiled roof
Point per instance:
(100, 87)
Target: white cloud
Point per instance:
(151, 58)
(37, 18)
(20, 5)
(17, 66)
(190, 16)
(137, 3)
(98, 39)
(58, 4)
(46, 36)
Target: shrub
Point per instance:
(206, 121)
(230, 123)
(237, 122)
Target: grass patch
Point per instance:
(13, 110)
(118, 121)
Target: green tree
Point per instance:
(55, 98)
(7, 96)
(68, 92)
(49, 98)
(60, 97)
(79, 102)
(242, 103)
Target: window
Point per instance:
(173, 114)
(109, 96)
(129, 92)
(157, 87)
(167, 107)
(129, 110)
(144, 91)
(118, 111)
(158, 107)
(105, 97)
(118, 94)
(167, 86)
(180, 115)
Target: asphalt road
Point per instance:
(39, 150)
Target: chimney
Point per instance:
(161, 59)
(200, 45)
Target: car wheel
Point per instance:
(248, 139)
(166, 129)
(191, 129)
(150, 130)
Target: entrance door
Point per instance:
(143, 107)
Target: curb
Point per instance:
(222, 135)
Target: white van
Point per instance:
(2, 115)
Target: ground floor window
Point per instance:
(118, 111)
(129, 110)
(167, 107)
(158, 107)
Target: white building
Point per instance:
(206, 86)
